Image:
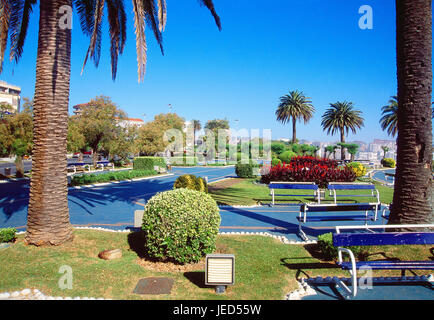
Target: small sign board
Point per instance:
(220, 269)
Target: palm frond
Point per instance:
(162, 14)
(86, 13)
(19, 24)
(139, 25)
(151, 18)
(94, 49)
(5, 14)
(117, 26)
(210, 5)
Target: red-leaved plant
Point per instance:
(309, 169)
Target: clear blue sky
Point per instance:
(264, 50)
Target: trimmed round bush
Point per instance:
(190, 181)
(275, 162)
(180, 225)
(358, 168)
(388, 163)
(287, 156)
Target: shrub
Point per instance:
(192, 182)
(388, 163)
(180, 225)
(358, 168)
(110, 176)
(246, 170)
(275, 162)
(7, 234)
(287, 156)
(278, 147)
(148, 163)
(330, 252)
(310, 169)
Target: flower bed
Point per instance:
(309, 169)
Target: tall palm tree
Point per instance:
(413, 198)
(342, 117)
(196, 127)
(389, 120)
(295, 106)
(48, 215)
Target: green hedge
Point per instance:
(246, 170)
(148, 163)
(330, 252)
(110, 176)
(180, 225)
(7, 234)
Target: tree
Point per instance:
(295, 106)
(352, 149)
(413, 198)
(48, 215)
(150, 139)
(217, 124)
(389, 120)
(16, 135)
(5, 110)
(196, 127)
(98, 122)
(385, 150)
(342, 117)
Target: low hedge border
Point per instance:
(86, 179)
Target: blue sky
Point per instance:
(239, 73)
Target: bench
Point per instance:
(104, 164)
(370, 209)
(79, 166)
(379, 239)
(337, 186)
(275, 185)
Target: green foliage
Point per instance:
(180, 225)
(245, 170)
(330, 252)
(358, 168)
(110, 176)
(183, 161)
(388, 163)
(192, 182)
(287, 156)
(275, 162)
(7, 234)
(148, 163)
(278, 147)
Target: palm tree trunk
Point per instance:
(48, 215)
(294, 130)
(342, 141)
(413, 199)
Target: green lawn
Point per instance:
(264, 267)
(247, 192)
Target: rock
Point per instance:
(110, 254)
(25, 292)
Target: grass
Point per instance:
(268, 273)
(247, 192)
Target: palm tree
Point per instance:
(389, 120)
(342, 117)
(295, 106)
(48, 215)
(385, 150)
(413, 198)
(196, 127)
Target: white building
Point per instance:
(10, 94)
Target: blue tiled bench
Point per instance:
(380, 239)
(275, 185)
(333, 187)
